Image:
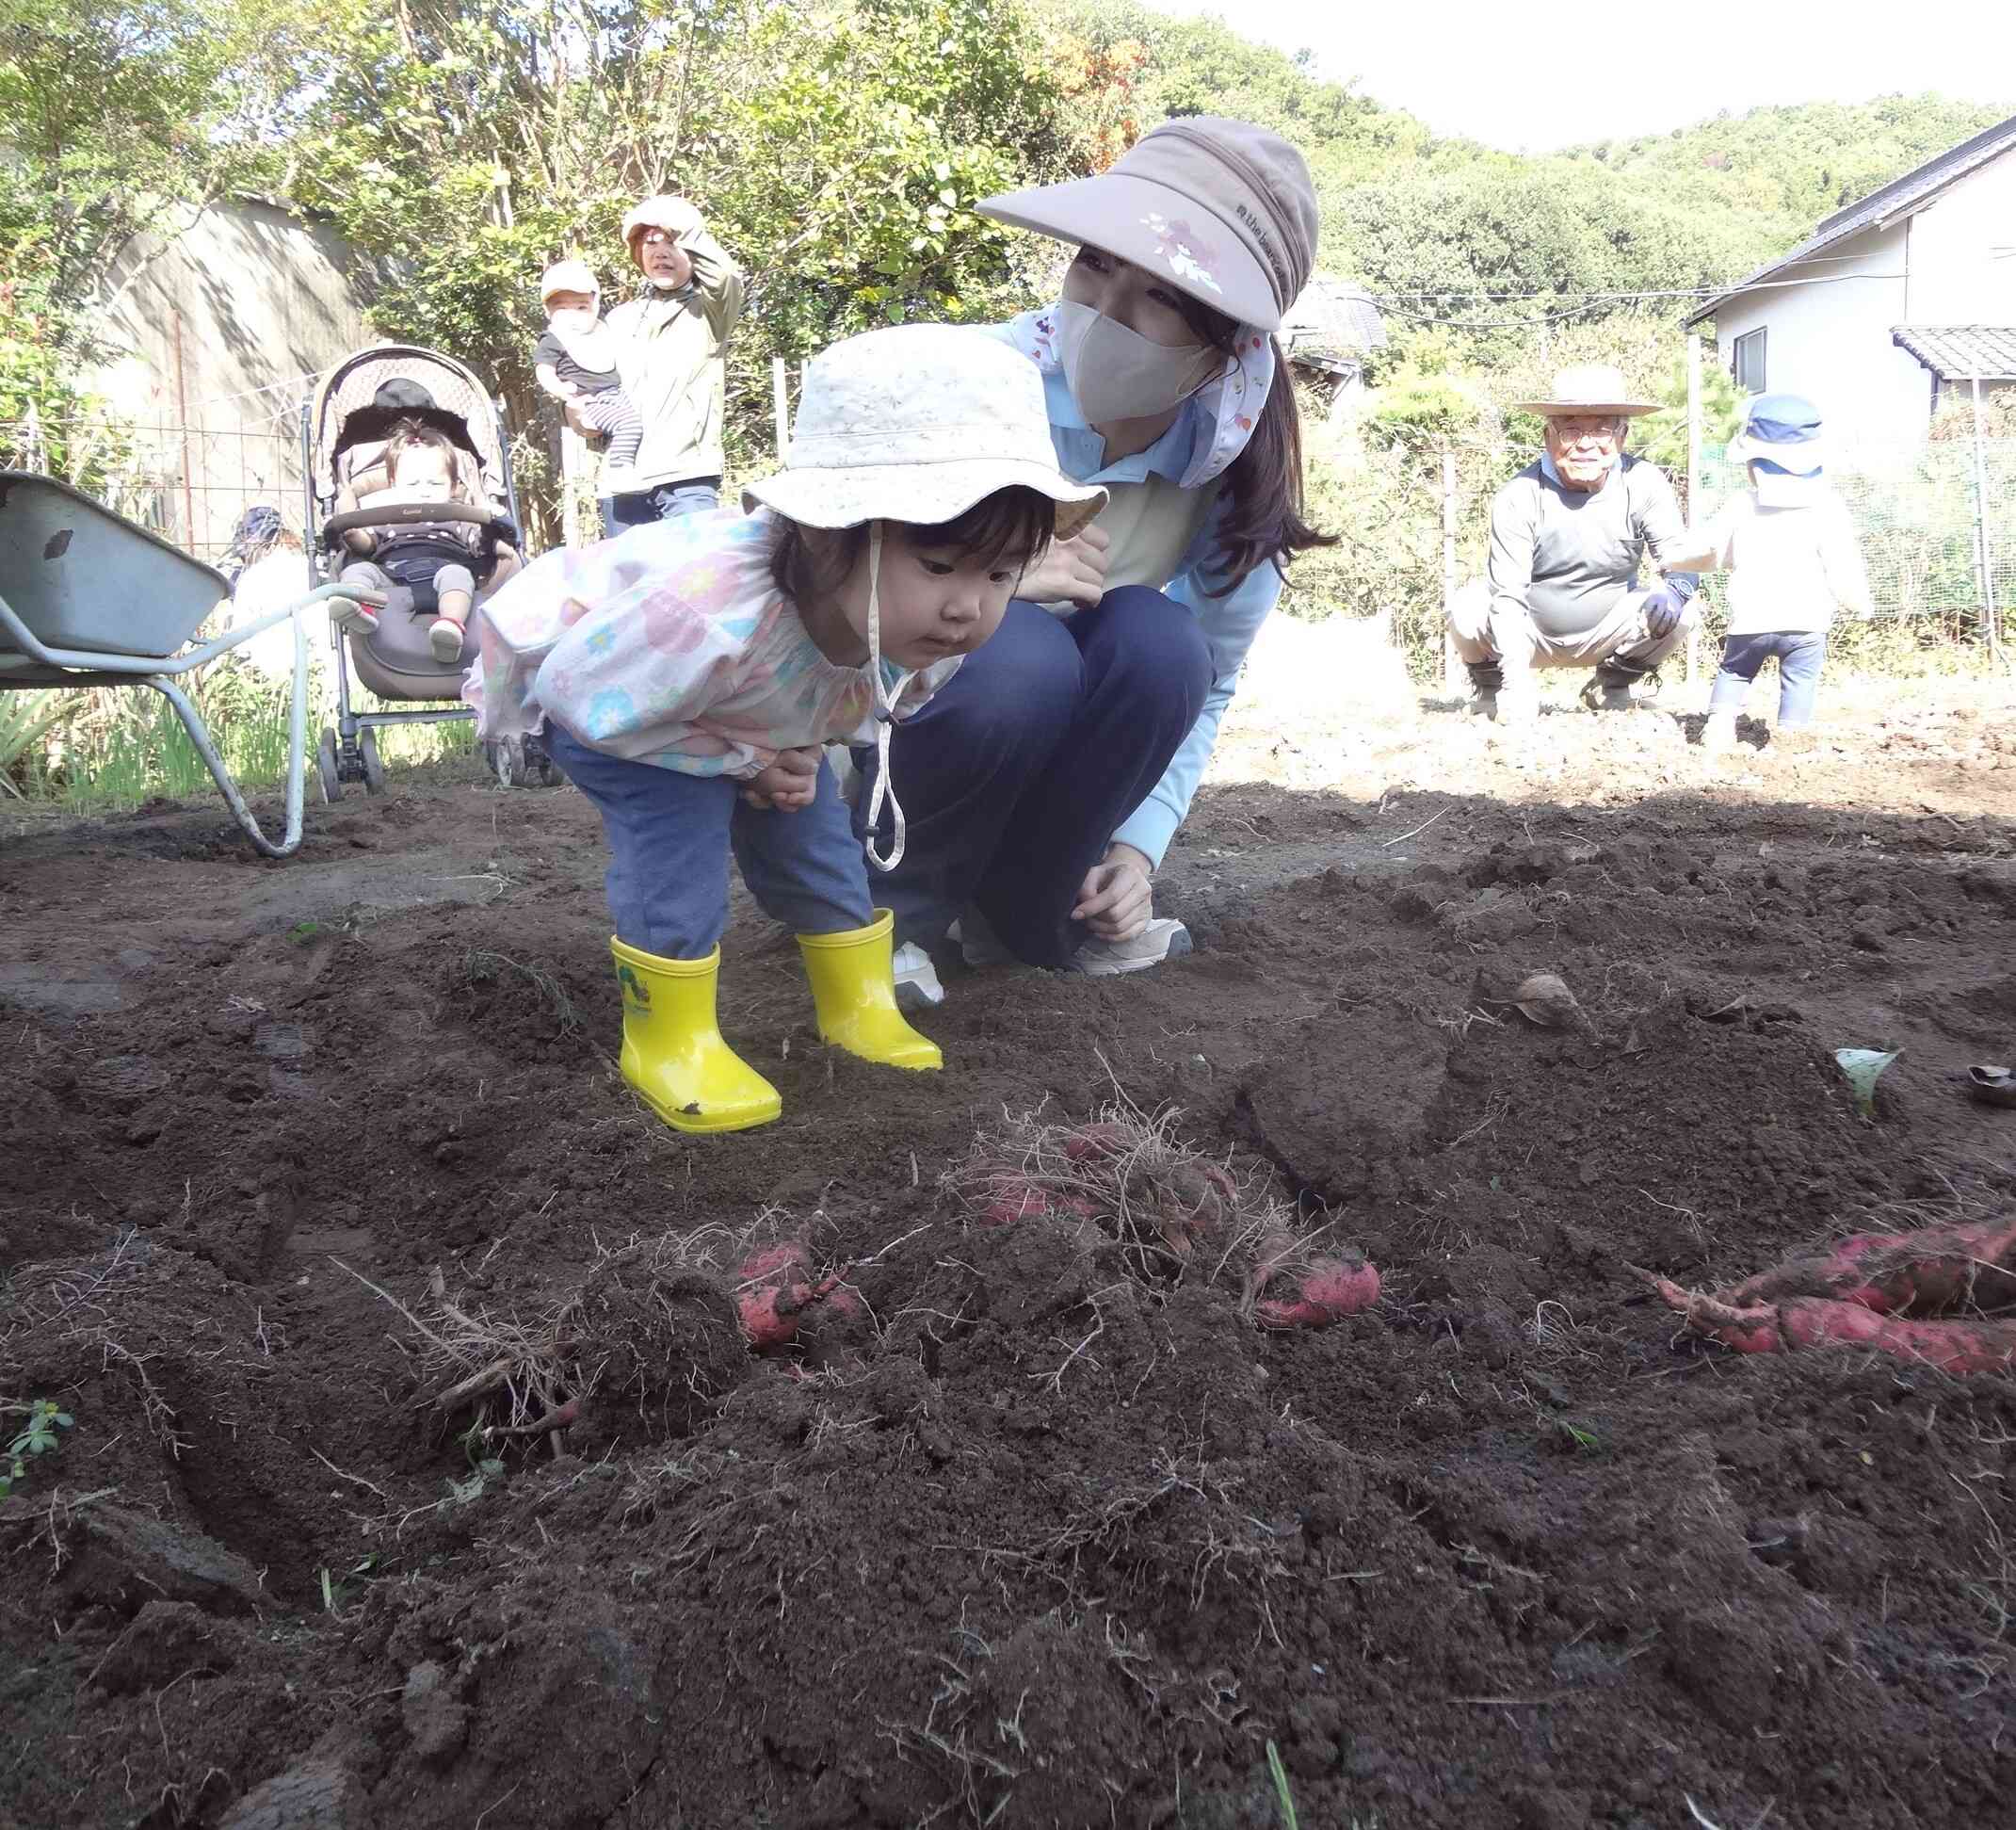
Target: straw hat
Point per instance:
(918, 424)
(1221, 209)
(1589, 388)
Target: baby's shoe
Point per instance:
(444, 640)
(347, 613)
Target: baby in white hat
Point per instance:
(687, 674)
(575, 361)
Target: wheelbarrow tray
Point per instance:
(83, 577)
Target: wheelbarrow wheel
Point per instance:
(373, 769)
(326, 771)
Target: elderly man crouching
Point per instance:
(1567, 535)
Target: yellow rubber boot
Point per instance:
(854, 991)
(672, 1049)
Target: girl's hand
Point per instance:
(789, 783)
(1117, 897)
(1072, 570)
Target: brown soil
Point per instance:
(1018, 1538)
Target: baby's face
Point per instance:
(420, 463)
(569, 301)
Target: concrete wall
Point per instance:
(221, 328)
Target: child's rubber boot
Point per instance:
(673, 1054)
(854, 991)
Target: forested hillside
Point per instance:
(839, 147)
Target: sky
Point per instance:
(1535, 78)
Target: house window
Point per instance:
(1748, 362)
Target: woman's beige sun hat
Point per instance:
(1222, 210)
(918, 424)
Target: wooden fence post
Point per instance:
(1693, 482)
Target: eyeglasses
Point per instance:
(1575, 432)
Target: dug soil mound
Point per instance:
(421, 1470)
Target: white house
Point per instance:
(1866, 315)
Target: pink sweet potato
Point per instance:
(1952, 1344)
(1893, 1274)
(1325, 1291)
(774, 1288)
(1020, 1197)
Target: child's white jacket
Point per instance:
(672, 645)
(1788, 565)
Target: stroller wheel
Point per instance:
(326, 768)
(373, 770)
(507, 761)
(539, 765)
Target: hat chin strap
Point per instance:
(885, 716)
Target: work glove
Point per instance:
(1663, 608)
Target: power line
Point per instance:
(1592, 299)
(1675, 292)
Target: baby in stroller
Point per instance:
(397, 458)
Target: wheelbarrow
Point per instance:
(90, 599)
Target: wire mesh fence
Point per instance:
(189, 484)
(1936, 526)
(1937, 522)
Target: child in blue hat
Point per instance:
(1790, 552)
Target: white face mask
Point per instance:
(1117, 373)
(573, 321)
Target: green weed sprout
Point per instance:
(1281, 1786)
(38, 1438)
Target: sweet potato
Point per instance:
(1326, 1289)
(774, 1288)
(1334, 1288)
(1804, 1321)
(1020, 1197)
(1891, 1273)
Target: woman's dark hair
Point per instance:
(1264, 519)
(1011, 524)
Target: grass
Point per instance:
(1289, 1821)
(113, 748)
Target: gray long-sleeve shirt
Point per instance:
(1564, 557)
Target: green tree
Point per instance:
(836, 149)
(112, 119)
(1663, 436)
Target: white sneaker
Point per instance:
(1164, 938)
(917, 986)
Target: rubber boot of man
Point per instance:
(854, 992)
(1718, 733)
(673, 1054)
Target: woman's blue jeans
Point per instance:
(699, 497)
(1016, 775)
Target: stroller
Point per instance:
(345, 425)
